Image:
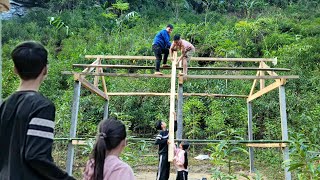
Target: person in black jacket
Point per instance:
(162, 141)
(27, 121)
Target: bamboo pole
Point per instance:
(193, 58)
(172, 108)
(244, 77)
(189, 68)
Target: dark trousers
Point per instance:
(158, 51)
(182, 175)
(164, 167)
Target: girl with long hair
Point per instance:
(180, 160)
(104, 163)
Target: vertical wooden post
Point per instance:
(262, 81)
(284, 129)
(172, 107)
(73, 128)
(250, 136)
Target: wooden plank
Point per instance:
(262, 81)
(96, 78)
(91, 67)
(104, 85)
(172, 108)
(188, 76)
(232, 59)
(168, 94)
(239, 77)
(193, 58)
(254, 84)
(91, 87)
(271, 73)
(264, 91)
(267, 145)
(79, 142)
(120, 57)
(189, 68)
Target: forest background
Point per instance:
(286, 29)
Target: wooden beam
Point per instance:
(172, 115)
(92, 66)
(267, 145)
(79, 142)
(264, 90)
(188, 76)
(239, 77)
(120, 57)
(232, 59)
(254, 84)
(91, 87)
(189, 68)
(104, 85)
(192, 59)
(168, 94)
(262, 81)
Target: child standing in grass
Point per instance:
(180, 161)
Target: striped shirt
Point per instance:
(26, 137)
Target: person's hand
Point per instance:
(168, 142)
(174, 115)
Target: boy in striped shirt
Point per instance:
(27, 121)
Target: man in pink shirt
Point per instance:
(187, 51)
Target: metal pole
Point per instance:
(73, 128)
(284, 129)
(179, 113)
(106, 109)
(250, 137)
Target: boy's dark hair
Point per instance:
(111, 133)
(29, 59)
(176, 37)
(158, 125)
(170, 26)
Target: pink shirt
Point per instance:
(114, 169)
(178, 159)
(187, 46)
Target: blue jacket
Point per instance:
(162, 39)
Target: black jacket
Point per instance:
(162, 139)
(26, 137)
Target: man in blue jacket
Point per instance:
(27, 121)
(161, 44)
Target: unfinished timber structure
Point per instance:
(259, 87)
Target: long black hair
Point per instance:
(111, 133)
(185, 147)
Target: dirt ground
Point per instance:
(151, 175)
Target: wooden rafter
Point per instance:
(189, 68)
(168, 94)
(254, 84)
(193, 58)
(265, 90)
(248, 77)
(90, 86)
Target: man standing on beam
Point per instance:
(161, 44)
